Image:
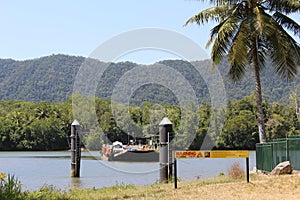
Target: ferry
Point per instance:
(129, 153)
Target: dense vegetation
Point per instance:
(51, 79)
(34, 126)
(46, 126)
(40, 119)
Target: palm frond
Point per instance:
(258, 20)
(223, 34)
(263, 29)
(222, 2)
(237, 71)
(238, 53)
(223, 39)
(283, 6)
(214, 33)
(261, 22)
(217, 14)
(284, 52)
(233, 12)
(287, 22)
(273, 38)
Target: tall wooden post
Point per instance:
(165, 154)
(75, 149)
(247, 169)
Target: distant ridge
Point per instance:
(51, 79)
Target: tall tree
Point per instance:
(250, 33)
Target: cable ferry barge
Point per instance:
(129, 153)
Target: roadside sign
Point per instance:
(192, 154)
(211, 154)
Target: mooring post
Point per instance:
(247, 169)
(165, 157)
(75, 149)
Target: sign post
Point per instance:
(247, 169)
(175, 173)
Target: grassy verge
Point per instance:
(221, 187)
(123, 191)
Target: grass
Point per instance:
(10, 187)
(221, 187)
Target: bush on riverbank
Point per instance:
(10, 187)
(236, 171)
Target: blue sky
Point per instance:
(34, 28)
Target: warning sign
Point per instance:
(192, 154)
(211, 154)
(229, 154)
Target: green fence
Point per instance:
(269, 154)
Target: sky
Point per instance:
(33, 28)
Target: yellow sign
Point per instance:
(211, 154)
(192, 154)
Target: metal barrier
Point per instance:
(269, 154)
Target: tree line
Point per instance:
(46, 126)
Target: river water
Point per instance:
(37, 169)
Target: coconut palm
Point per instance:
(250, 33)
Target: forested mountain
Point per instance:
(51, 79)
(44, 79)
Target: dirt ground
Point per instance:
(261, 187)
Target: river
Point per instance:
(52, 168)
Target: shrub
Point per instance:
(10, 187)
(236, 171)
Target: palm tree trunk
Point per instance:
(260, 113)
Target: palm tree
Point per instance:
(250, 33)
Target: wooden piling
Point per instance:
(165, 156)
(75, 149)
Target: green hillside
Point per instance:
(51, 78)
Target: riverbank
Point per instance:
(221, 187)
(35, 169)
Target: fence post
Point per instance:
(287, 150)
